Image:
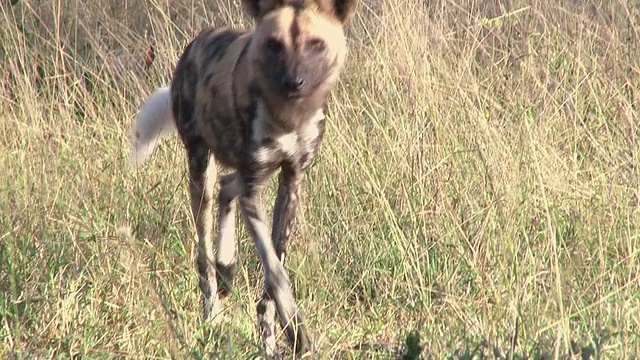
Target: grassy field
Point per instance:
(478, 185)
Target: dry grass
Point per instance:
(478, 184)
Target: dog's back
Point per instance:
(204, 92)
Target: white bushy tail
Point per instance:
(154, 122)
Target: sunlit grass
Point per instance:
(478, 184)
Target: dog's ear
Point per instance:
(258, 8)
(343, 10)
(255, 8)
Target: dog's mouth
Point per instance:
(295, 96)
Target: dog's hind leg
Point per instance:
(226, 259)
(202, 176)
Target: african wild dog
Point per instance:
(253, 101)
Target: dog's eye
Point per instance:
(317, 45)
(274, 46)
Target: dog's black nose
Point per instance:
(293, 83)
(297, 83)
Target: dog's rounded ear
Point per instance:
(252, 7)
(343, 10)
(258, 8)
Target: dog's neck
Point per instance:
(291, 115)
(287, 119)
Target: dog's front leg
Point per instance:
(277, 285)
(283, 216)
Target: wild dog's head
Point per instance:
(299, 46)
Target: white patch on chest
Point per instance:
(264, 155)
(290, 144)
(312, 131)
(287, 143)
